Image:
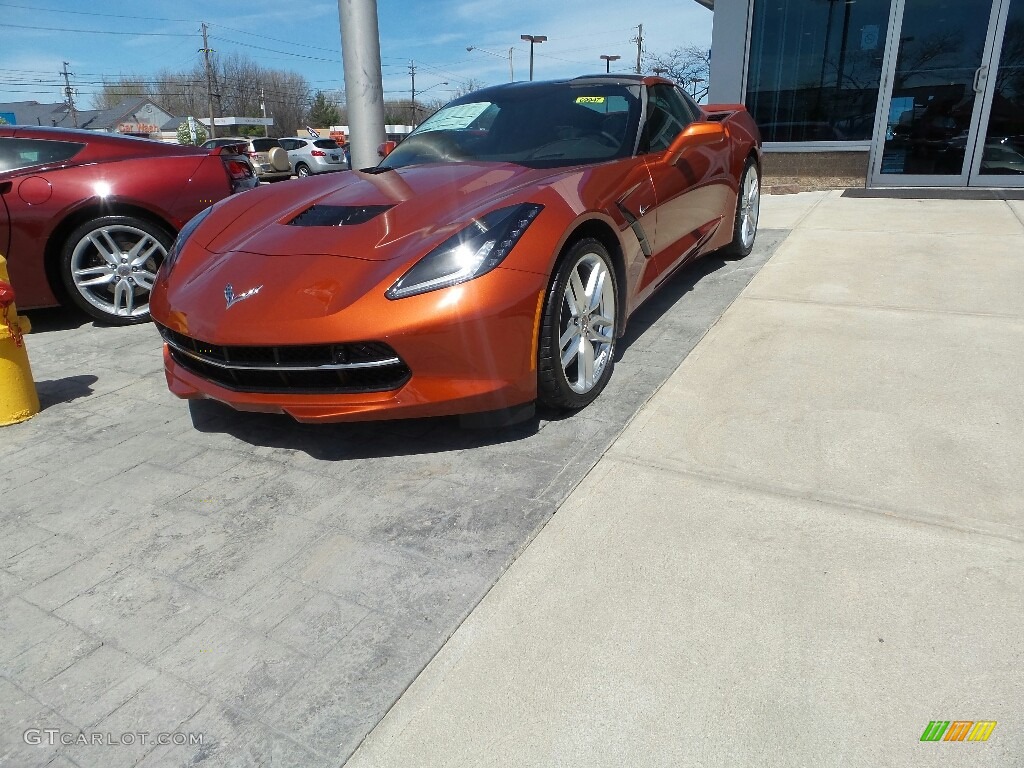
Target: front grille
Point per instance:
(364, 366)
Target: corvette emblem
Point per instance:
(232, 298)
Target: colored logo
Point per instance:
(958, 730)
(233, 298)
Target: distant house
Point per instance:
(134, 116)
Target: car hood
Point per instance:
(369, 216)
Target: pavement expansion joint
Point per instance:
(882, 307)
(779, 490)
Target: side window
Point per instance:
(289, 144)
(667, 115)
(24, 153)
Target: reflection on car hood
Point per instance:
(413, 205)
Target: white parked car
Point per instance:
(309, 155)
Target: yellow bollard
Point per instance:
(18, 397)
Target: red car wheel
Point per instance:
(109, 264)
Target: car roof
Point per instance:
(598, 79)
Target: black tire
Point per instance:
(554, 385)
(302, 170)
(103, 248)
(742, 240)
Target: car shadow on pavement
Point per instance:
(56, 319)
(358, 440)
(667, 297)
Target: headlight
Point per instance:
(472, 252)
(183, 235)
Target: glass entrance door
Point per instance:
(999, 161)
(943, 69)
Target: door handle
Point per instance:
(980, 75)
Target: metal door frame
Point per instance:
(979, 115)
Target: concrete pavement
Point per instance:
(270, 586)
(806, 546)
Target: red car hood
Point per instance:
(422, 203)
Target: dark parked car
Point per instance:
(89, 217)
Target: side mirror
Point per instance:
(696, 135)
(386, 148)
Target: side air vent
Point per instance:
(337, 215)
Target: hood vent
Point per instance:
(337, 215)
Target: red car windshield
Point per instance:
(542, 125)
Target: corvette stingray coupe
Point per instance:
(490, 261)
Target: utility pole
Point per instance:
(639, 40)
(412, 74)
(206, 51)
(263, 106)
(69, 94)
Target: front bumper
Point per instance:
(469, 348)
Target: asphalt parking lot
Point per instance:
(270, 585)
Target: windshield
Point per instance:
(540, 126)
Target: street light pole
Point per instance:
(608, 62)
(533, 39)
(414, 107)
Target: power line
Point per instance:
(92, 13)
(283, 53)
(94, 31)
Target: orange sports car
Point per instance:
(490, 261)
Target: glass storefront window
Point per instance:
(815, 68)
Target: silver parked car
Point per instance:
(309, 155)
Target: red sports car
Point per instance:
(491, 260)
(89, 216)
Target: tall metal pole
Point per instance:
(412, 74)
(69, 94)
(206, 51)
(532, 39)
(364, 89)
(263, 106)
(511, 70)
(639, 46)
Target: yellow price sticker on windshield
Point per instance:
(590, 99)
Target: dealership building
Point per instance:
(891, 93)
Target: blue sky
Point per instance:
(37, 36)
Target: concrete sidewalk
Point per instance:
(806, 546)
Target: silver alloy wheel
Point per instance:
(302, 171)
(587, 323)
(113, 268)
(750, 206)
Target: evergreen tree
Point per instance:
(323, 114)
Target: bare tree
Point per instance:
(238, 84)
(467, 86)
(288, 99)
(688, 67)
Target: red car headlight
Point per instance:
(470, 253)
